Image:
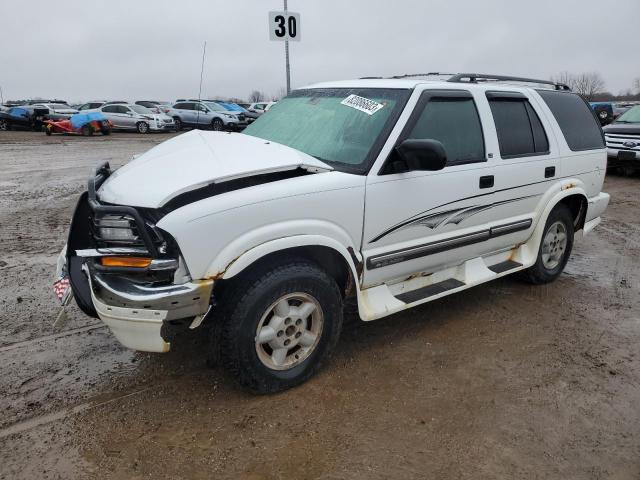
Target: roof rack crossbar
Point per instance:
(474, 77)
(428, 74)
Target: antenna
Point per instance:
(204, 52)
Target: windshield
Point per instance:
(140, 109)
(58, 106)
(330, 124)
(216, 107)
(630, 116)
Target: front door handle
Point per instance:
(486, 181)
(549, 172)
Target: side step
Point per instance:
(504, 266)
(430, 290)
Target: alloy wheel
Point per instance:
(289, 331)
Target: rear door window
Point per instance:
(579, 126)
(520, 132)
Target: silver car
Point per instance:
(205, 114)
(137, 118)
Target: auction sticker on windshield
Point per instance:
(363, 104)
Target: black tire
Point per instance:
(106, 131)
(142, 127)
(217, 125)
(87, 130)
(244, 303)
(47, 131)
(4, 125)
(539, 274)
(178, 123)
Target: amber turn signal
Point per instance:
(137, 262)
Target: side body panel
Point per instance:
(214, 232)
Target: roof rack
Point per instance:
(483, 77)
(428, 74)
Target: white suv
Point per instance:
(394, 192)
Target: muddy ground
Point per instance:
(503, 381)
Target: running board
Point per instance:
(381, 300)
(430, 290)
(505, 266)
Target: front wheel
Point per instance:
(87, 130)
(4, 125)
(178, 123)
(279, 326)
(217, 125)
(555, 247)
(142, 127)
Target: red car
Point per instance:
(80, 124)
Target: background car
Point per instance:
(25, 117)
(260, 107)
(153, 105)
(604, 111)
(57, 111)
(91, 105)
(136, 118)
(236, 107)
(205, 114)
(623, 142)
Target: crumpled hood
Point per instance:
(195, 159)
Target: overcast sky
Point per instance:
(131, 50)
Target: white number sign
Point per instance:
(284, 26)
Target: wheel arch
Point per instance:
(342, 263)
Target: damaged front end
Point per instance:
(128, 272)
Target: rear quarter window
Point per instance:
(577, 122)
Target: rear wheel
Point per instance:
(279, 326)
(142, 127)
(178, 123)
(3, 124)
(555, 247)
(87, 130)
(217, 125)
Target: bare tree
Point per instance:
(256, 96)
(589, 85)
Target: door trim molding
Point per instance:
(403, 255)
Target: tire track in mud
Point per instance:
(55, 336)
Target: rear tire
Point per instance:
(555, 247)
(178, 123)
(87, 130)
(4, 125)
(278, 325)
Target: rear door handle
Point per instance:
(486, 181)
(549, 172)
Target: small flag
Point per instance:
(61, 288)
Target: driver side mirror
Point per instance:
(418, 154)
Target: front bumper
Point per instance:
(134, 302)
(162, 127)
(136, 313)
(619, 157)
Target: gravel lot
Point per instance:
(505, 380)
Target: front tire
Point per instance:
(142, 127)
(87, 131)
(555, 247)
(4, 125)
(279, 325)
(217, 125)
(178, 123)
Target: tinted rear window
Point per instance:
(576, 120)
(520, 132)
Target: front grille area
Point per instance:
(617, 141)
